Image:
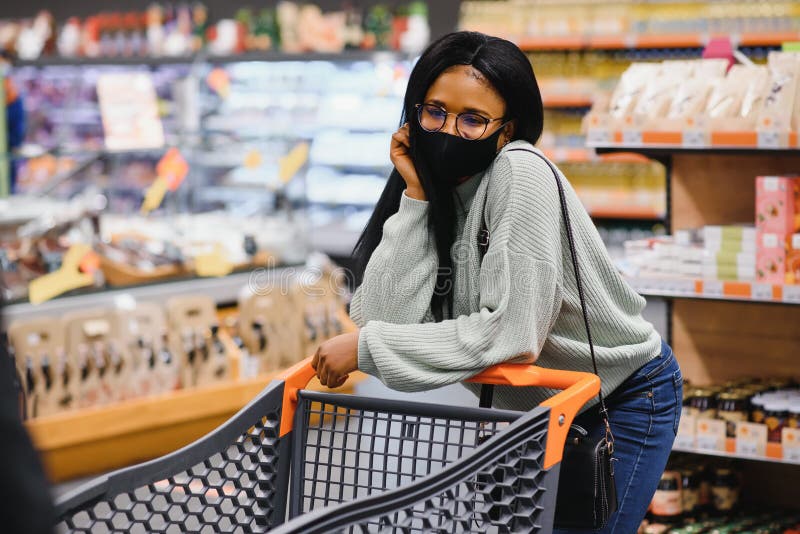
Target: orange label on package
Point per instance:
(790, 439)
(173, 168)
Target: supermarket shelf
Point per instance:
(348, 55)
(633, 214)
(774, 453)
(585, 155)
(645, 41)
(566, 101)
(224, 290)
(717, 290)
(652, 143)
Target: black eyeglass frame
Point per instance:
(488, 121)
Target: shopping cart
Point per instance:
(301, 461)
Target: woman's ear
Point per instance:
(506, 136)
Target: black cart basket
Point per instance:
(301, 461)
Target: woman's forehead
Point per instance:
(464, 88)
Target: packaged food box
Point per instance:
(778, 204)
(793, 260)
(771, 258)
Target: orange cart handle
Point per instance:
(578, 389)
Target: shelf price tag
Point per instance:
(711, 435)
(694, 139)
(598, 136)
(681, 287)
(713, 288)
(686, 432)
(791, 294)
(791, 444)
(751, 439)
(769, 139)
(631, 137)
(761, 292)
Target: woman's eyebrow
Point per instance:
(465, 110)
(477, 110)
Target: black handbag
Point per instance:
(587, 493)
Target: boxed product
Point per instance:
(754, 96)
(771, 258)
(630, 87)
(726, 265)
(779, 103)
(658, 95)
(778, 204)
(726, 104)
(793, 260)
(693, 93)
(738, 273)
(729, 238)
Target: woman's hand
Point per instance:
(336, 358)
(401, 160)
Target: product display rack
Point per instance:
(725, 330)
(270, 55)
(774, 453)
(717, 290)
(224, 291)
(649, 41)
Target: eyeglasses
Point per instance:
(470, 126)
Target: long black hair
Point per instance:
(508, 70)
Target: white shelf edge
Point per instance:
(223, 290)
(719, 454)
(640, 285)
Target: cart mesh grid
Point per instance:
(346, 452)
(235, 488)
(351, 452)
(505, 497)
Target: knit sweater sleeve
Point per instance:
(401, 274)
(520, 291)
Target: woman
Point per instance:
(433, 310)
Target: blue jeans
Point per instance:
(644, 412)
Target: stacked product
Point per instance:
(691, 491)
(699, 95)
(588, 18)
(625, 189)
(768, 252)
(702, 497)
(161, 247)
(98, 357)
(180, 30)
(778, 224)
(729, 253)
(711, 252)
(103, 356)
(774, 402)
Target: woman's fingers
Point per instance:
(400, 139)
(315, 360)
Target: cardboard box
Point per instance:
(793, 260)
(771, 258)
(778, 204)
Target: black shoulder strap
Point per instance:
(483, 246)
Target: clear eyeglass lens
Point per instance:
(432, 118)
(471, 126)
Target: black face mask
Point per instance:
(451, 157)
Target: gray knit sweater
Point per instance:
(519, 305)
